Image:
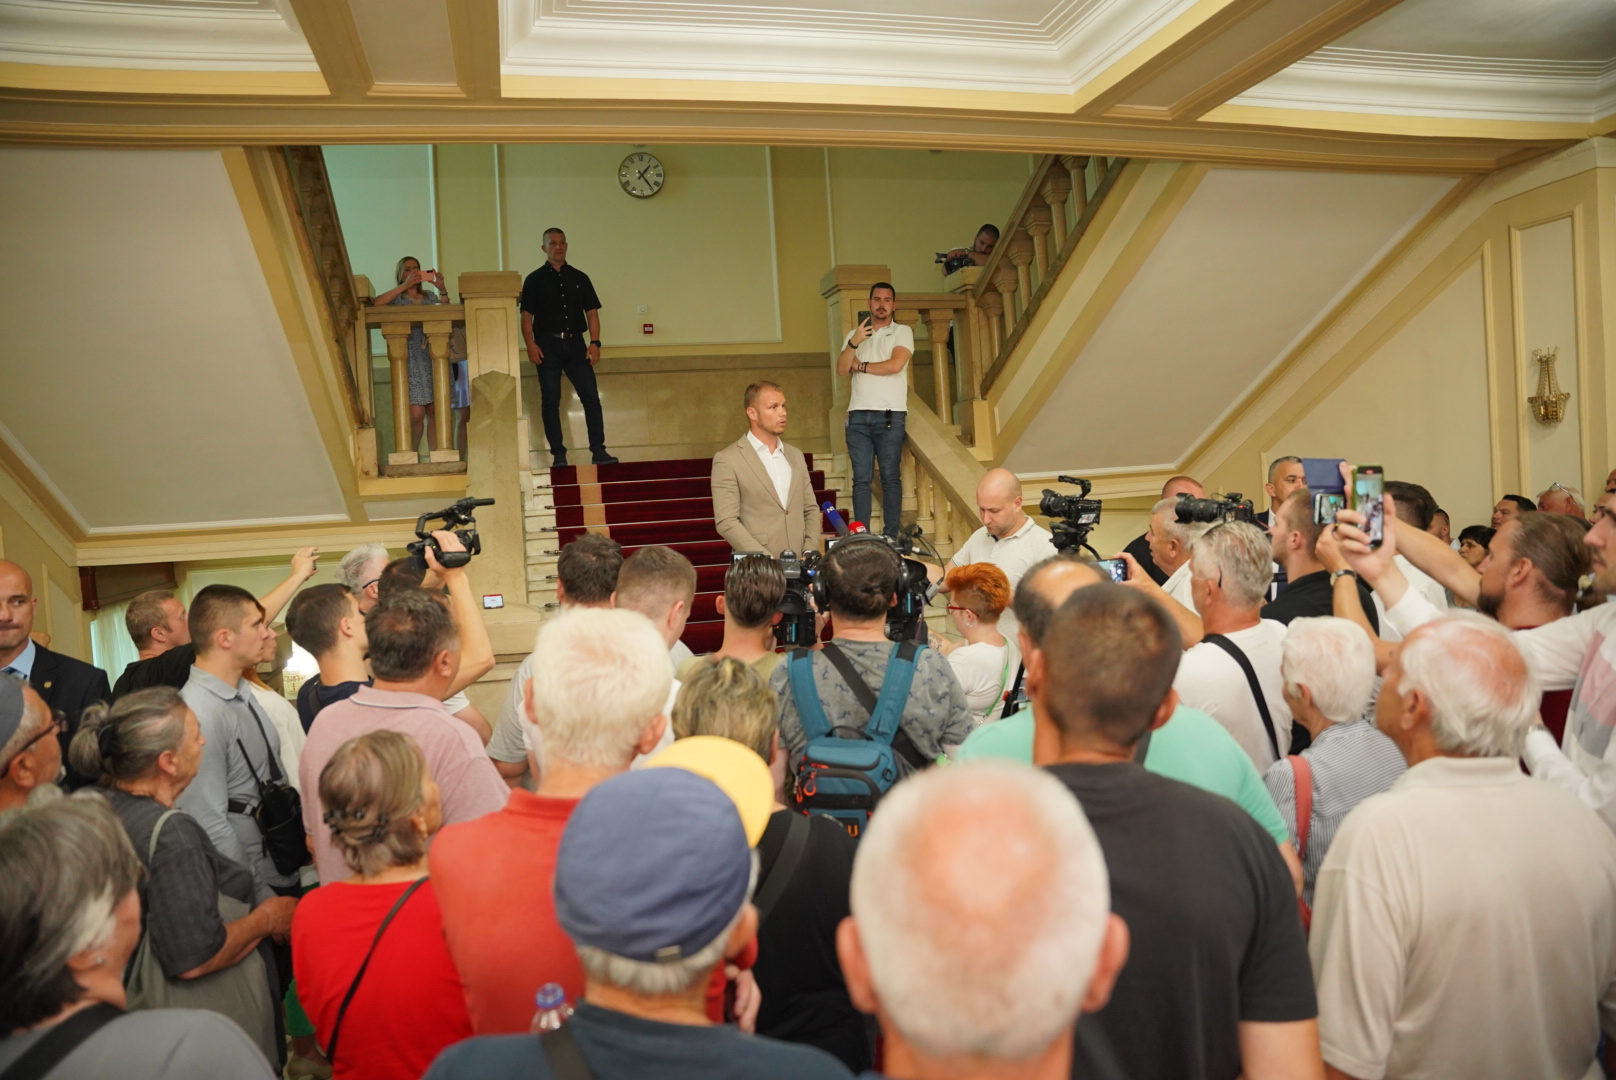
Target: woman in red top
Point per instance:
(407, 1003)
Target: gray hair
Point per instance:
(1186, 533)
(659, 980)
(998, 971)
(599, 677)
(351, 570)
(121, 742)
(1240, 556)
(34, 720)
(1483, 695)
(1334, 659)
(53, 908)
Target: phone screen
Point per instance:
(1116, 569)
(1325, 484)
(1368, 485)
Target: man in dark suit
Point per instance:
(66, 684)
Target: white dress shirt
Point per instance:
(775, 464)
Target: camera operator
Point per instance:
(753, 588)
(860, 586)
(1577, 653)
(1140, 546)
(987, 238)
(1008, 538)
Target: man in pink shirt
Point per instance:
(414, 656)
(595, 701)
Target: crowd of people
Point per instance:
(1189, 825)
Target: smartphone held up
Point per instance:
(1329, 491)
(1368, 487)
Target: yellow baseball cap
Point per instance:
(736, 769)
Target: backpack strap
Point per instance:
(810, 710)
(1240, 658)
(774, 886)
(1302, 772)
(353, 987)
(61, 1041)
(890, 729)
(562, 1053)
(895, 686)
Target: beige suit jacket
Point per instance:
(747, 510)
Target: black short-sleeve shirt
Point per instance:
(180, 895)
(1312, 594)
(1214, 934)
(558, 299)
(171, 668)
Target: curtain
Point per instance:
(109, 641)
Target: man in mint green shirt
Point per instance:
(1191, 748)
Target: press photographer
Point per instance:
(864, 705)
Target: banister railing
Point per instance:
(1033, 248)
(438, 323)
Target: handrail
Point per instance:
(438, 323)
(317, 209)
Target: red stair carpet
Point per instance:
(642, 503)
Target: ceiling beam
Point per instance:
(474, 35)
(333, 37)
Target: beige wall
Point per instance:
(28, 539)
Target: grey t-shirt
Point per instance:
(935, 716)
(154, 1044)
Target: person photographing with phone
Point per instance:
(874, 354)
(410, 277)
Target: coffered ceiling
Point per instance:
(1421, 85)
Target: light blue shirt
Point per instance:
(23, 666)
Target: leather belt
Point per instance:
(564, 334)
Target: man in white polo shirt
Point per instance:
(1008, 538)
(874, 355)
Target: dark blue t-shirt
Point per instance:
(617, 1046)
(314, 695)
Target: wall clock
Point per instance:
(641, 175)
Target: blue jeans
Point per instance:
(876, 438)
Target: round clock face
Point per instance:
(641, 175)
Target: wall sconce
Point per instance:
(1549, 403)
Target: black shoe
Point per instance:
(601, 457)
(558, 461)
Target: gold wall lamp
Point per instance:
(1549, 403)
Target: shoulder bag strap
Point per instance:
(774, 886)
(342, 1010)
(1303, 775)
(1251, 680)
(269, 750)
(561, 1051)
(895, 684)
(855, 682)
(810, 710)
(151, 846)
(61, 1041)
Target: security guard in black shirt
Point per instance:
(560, 312)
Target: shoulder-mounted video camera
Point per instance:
(457, 519)
(1230, 507)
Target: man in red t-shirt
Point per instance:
(595, 701)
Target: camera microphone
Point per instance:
(835, 518)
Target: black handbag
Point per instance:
(279, 813)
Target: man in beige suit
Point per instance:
(762, 497)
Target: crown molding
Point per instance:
(211, 35)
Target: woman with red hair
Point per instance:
(985, 664)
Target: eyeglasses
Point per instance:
(58, 723)
(952, 607)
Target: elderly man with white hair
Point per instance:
(1328, 668)
(1008, 538)
(1170, 541)
(361, 570)
(1464, 924)
(976, 955)
(1140, 546)
(1233, 672)
(597, 698)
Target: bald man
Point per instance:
(66, 685)
(1140, 547)
(1008, 538)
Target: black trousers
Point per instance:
(569, 357)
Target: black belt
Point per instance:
(236, 806)
(564, 334)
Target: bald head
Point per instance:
(17, 606)
(975, 947)
(1183, 485)
(998, 501)
(1045, 587)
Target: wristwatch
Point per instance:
(596, 344)
(1337, 575)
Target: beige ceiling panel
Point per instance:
(1501, 29)
(406, 42)
(1249, 266)
(148, 381)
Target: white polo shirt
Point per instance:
(1178, 586)
(1014, 554)
(881, 392)
(775, 464)
(1209, 679)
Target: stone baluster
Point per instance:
(1057, 186)
(1007, 282)
(1021, 252)
(1077, 169)
(437, 346)
(925, 507)
(397, 336)
(1038, 225)
(906, 472)
(991, 308)
(938, 321)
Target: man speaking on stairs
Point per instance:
(763, 499)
